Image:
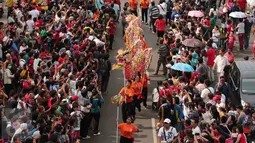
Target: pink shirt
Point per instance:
(160, 23)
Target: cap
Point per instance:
(217, 97)
(75, 98)
(167, 121)
(246, 58)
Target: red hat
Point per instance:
(75, 98)
(217, 97)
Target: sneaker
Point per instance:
(85, 138)
(146, 23)
(97, 134)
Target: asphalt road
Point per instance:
(109, 111)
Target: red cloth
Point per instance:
(164, 93)
(230, 57)
(206, 22)
(49, 102)
(30, 64)
(56, 37)
(217, 97)
(43, 55)
(211, 56)
(38, 23)
(241, 40)
(61, 60)
(242, 4)
(194, 75)
(75, 98)
(253, 47)
(107, 1)
(231, 42)
(160, 23)
(229, 27)
(112, 28)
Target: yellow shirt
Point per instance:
(9, 3)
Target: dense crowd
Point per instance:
(200, 106)
(54, 68)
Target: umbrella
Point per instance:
(182, 67)
(237, 14)
(192, 43)
(251, 2)
(195, 13)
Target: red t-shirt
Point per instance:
(31, 64)
(164, 93)
(231, 40)
(43, 55)
(61, 60)
(242, 4)
(229, 27)
(211, 56)
(160, 23)
(207, 22)
(112, 28)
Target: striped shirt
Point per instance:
(154, 12)
(163, 51)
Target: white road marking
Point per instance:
(154, 134)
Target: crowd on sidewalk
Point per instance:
(196, 105)
(55, 68)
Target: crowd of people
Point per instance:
(199, 106)
(54, 68)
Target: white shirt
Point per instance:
(240, 28)
(221, 62)
(35, 13)
(167, 135)
(116, 9)
(155, 94)
(223, 98)
(196, 131)
(205, 92)
(162, 8)
(207, 116)
(62, 19)
(22, 48)
(200, 87)
(30, 25)
(36, 63)
(222, 105)
(22, 62)
(215, 34)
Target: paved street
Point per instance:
(108, 111)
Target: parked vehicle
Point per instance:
(242, 81)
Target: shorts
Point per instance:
(160, 33)
(126, 140)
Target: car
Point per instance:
(242, 81)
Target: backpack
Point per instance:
(104, 68)
(169, 6)
(170, 113)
